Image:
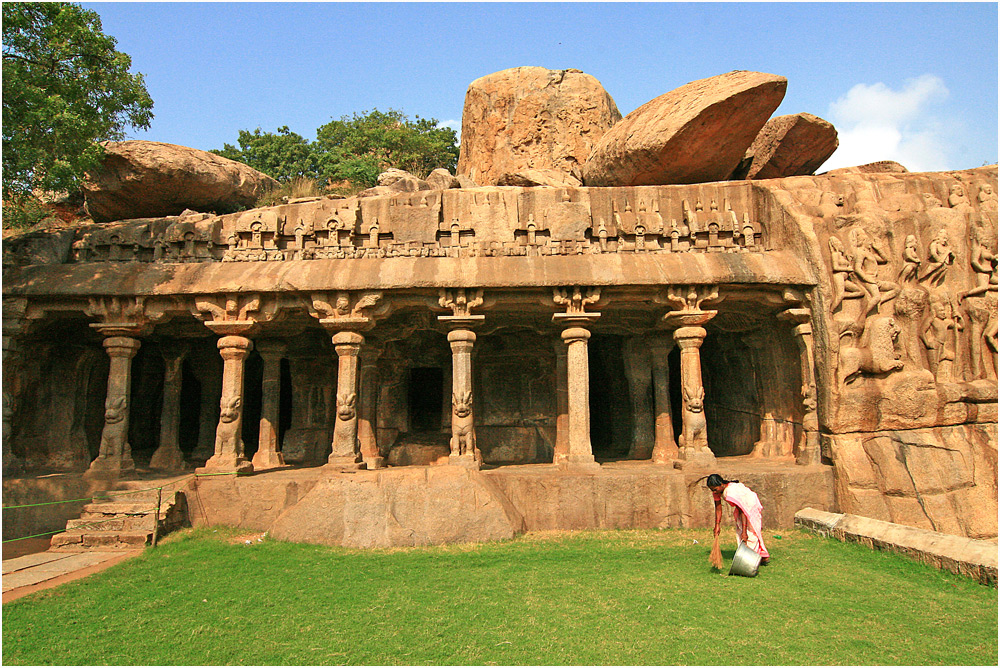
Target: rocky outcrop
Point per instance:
(532, 118)
(530, 178)
(793, 145)
(693, 134)
(401, 507)
(880, 167)
(140, 179)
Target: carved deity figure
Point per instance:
(463, 436)
(940, 337)
(987, 198)
(957, 198)
(984, 264)
(867, 258)
(911, 261)
(940, 257)
(844, 286)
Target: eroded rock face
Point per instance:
(420, 506)
(696, 133)
(141, 179)
(793, 145)
(532, 118)
(880, 167)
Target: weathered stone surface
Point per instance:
(403, 507)
(442, 179)
(418, 454)
(144, 179)
(529, 178)
(973, 558)
(792, 145)
(531, 118)
(880, 167)
(696, 133)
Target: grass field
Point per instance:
(627, 597)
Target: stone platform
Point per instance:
(422, 505)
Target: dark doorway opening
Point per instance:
(610, 407)
(253, 398)
(190, 410)
(285, 403)
(426, 397)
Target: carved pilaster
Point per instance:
(168, 456)
(345, 450)
(664, 445)
(267, 455)
(368, 390)
(575, 320)
(463, 431)
(561, 449)
(115, 455)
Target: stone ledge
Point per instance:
(965, 556)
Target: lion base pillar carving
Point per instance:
(229, 454)
(114, 458)
(693, 447)
(345, 448)
(463, 429)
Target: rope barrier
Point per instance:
(111, 494)
(89, 525)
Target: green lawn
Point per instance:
(627, 597)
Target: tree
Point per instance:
(65, 88)
(359, 147)
(283, 156)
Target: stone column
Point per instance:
(344, 452)
(463, 430)
(267, 455)
(168, 456)
(561, 450)
(638, 372)
(368, 413)
(664, 446)
(808, 452)
(115, 455)
(580, 453)
(229, 452)
(694, 435)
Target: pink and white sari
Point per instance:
(740, 496)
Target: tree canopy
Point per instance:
(65, 88)
(356, 148)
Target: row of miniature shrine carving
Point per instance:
(456, 243)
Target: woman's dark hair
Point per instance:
(715, 480)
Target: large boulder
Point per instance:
(880, 167)
(148, 179)
(532, 118)
(693, 134)
(793, 145)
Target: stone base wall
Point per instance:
(942, 479)
(21, 522)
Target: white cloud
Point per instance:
(875, 122)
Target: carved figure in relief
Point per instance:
(867, 258)
(346, 406)
(227, 434)
(230, 409)
(463, 436)
(957, 198)
(841, 266)
(115, 434)
(940, 337)
(987, 198)
(940, 257)
(911, 261)
(876, 353)
(984, 264)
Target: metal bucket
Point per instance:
(746, 561)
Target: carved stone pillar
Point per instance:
(229, 450)
(115, 455)
(638, 372)
(808, 452)
(368, 413)
(578, 390)
(345, 432)
(664, 446)
(267, 455)
(168, 456)
(463, 430)
(694, 435)
(561, 450)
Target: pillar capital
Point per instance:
(271, 349)
(235, 347)
(689, 337)
(571, 334)
(348, 343)
(122, 346)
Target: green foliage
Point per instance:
(355, 148)
(65, 87)
(284, 155)
(23, 213)
(589, 598)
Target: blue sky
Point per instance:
(914, 82)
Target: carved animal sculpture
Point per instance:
(878, 356)
(346, 406)
(230, 409)
(694, 404)
(227, 434)
(114, 437)
(463, 436)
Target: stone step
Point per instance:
(111, 509)
(79, 541)
(129, 496)
(90, 522)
